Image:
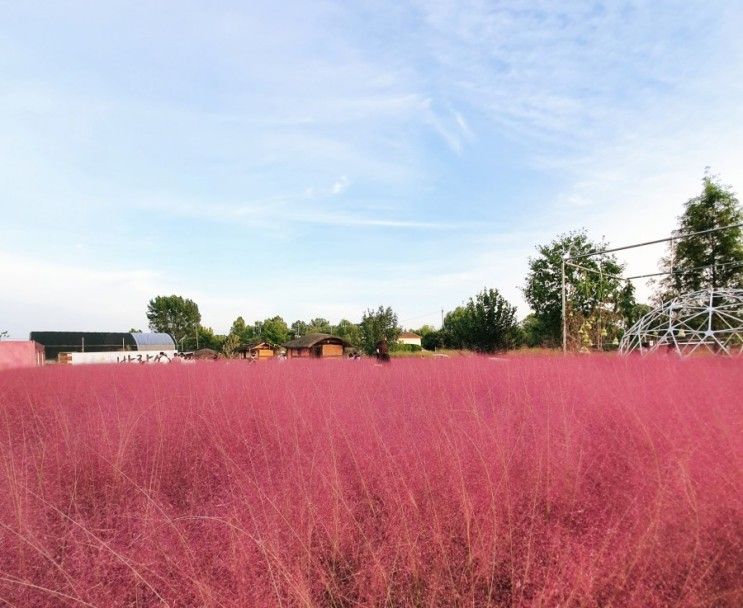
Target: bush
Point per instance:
(432, 340)
(405, 348)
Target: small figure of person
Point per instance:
(383, 351)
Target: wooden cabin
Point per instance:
(317, 346)
(257, 350)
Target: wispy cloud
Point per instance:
(431, 129)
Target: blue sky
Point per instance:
(318, 158)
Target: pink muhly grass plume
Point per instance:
(458, 482)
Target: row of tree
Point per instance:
(600, 304)
(180, 317)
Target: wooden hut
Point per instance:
(257, 350)
(316, 346)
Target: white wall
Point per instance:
(122, 357)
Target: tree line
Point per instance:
(600, 304)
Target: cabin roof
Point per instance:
(252, 345)
(311, 340)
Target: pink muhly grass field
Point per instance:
(586, 481)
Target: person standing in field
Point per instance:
(383, 351)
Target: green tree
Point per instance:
(596, 295)
(454, 328)
(239, 327)
(431, 340)
(244, 332)
(274, 330)
(430, 337)
(203, 337)
(173, 315)
(532, 331)
(712, 260)
(349, 331)
(231, 344)
(377, 325)
(319, 326)
(297, 329)
(487, 323)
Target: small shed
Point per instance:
(15, 354)
(316, 346)
(256, 350)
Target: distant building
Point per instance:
(15, 354)
(408, 337)
(316, 346)
(57, 342)
(258, 350)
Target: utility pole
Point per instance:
(564, 317)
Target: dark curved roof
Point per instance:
(56, 342)
(311, 340)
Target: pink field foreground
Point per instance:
(591, 481)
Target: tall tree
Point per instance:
(203, 337)
(244, 332)
(710, 260)
(274, 330)
(230, 345)
(431, 339)
(595, 296)
(297, 329)
(319, 326)
(454, 329)
(377, 325)
(348, 331)
(174, 315)
(492, 322)
(487, 323)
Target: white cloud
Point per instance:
(40, 295)
(279, 125)
(340, 185)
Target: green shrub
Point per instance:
(405, 348)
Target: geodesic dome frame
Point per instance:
(709, 319)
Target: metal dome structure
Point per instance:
(706, 320)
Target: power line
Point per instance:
(654, 242)
(683, 270)
(656, 274)
(428, 314)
